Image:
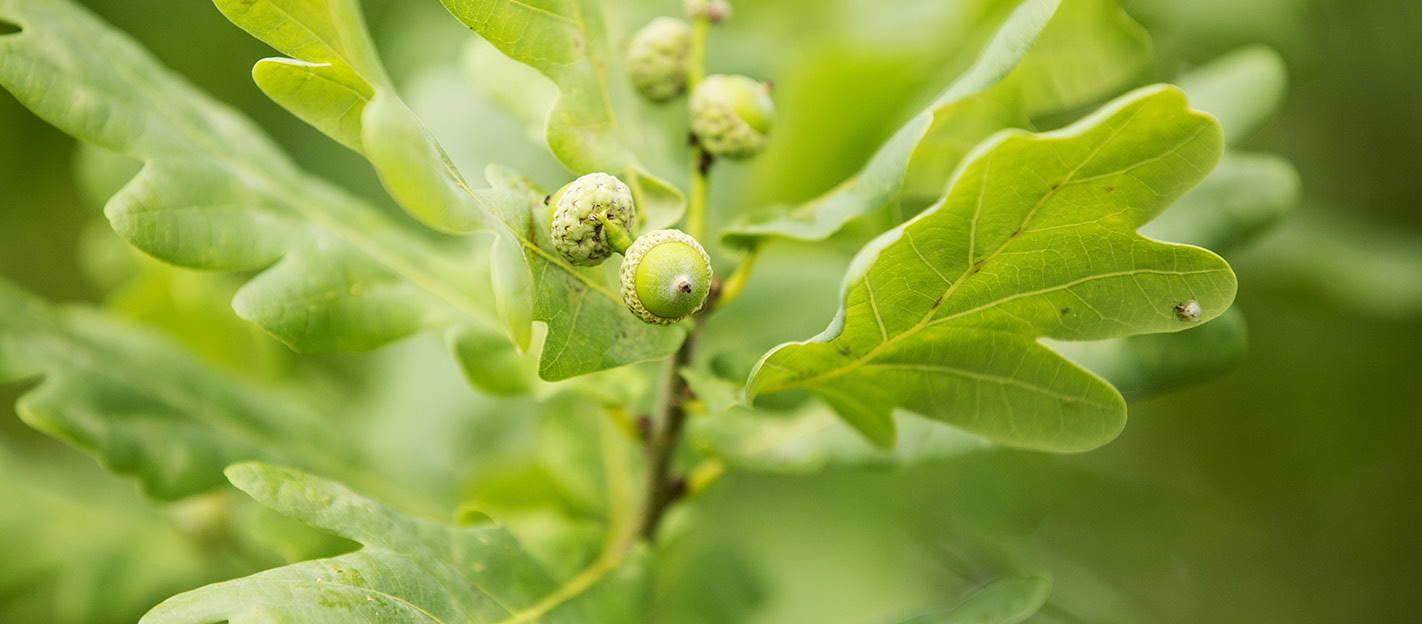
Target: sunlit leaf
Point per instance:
(1036, 238)
(1039, 61)
(409, 570)
(565, 41)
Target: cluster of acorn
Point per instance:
(665, 274)
(730, 115)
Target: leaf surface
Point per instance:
(409, 570)
(813, 438)
(1035, 238)
(1244, 197)
(589, 329)
(143, 407)
(1004, 601)
(564, 40)
(1040, 60)
(216, 194)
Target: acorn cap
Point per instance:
(731, 116)
(657, 58)
(666, 276)
(577, 234)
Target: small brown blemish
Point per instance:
(1110, 189)
(546, 199)
(937, 302)
(1066, 311)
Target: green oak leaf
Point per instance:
(409, 570)
(1004, 601)
(565, 41)
(517, 90)
(215, 194)
(529, 282)
(813, 438)
(1035, 239)
(1149, 363)
(1242, 89)
(589, 327)
(1039, 61)
(145, 408)
(1245, 196)
(81, 548)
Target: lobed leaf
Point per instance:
(143, 407)
(589, 327)
(1148, 363)
(528, 279)
(1245, 196)
(409, 570)
(1241, 89)
(1038, 61)
(564, 40)
(1035, 239)
(216, 194)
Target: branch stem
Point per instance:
(661, 490)
(700, 163)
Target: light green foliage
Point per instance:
(215, 194)
(409, 570)
(146, 409)
(564, 40)
(1031, 291)
(813, 438)
(588, 326)
(1034, 239)
(1049, 55)
(1245, 196)
(414, 168)
(1006, 601)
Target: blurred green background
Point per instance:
(1287, 491)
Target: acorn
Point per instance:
(579, 213)
(714, 11)
(657, 58)
(731, 116)
(666, 276)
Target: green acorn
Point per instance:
(731, 116)
(579, 211)
(666, 276)
(714, 11)
(657, 58)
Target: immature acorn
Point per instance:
(657, 58)
(579, 211)
(714, 11)
(731, 116)
(666, 276)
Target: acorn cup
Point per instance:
(731, 116)
(657, 58)
(665, 274)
